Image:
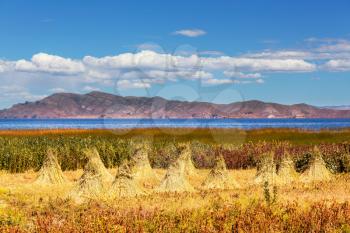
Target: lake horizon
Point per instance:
(241, 123)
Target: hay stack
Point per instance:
(267, 171)
(317, 170)
(175, 179)
(286, 173)
(93, 156)
(218, 177)
(124, 184)
(141, 169)
(50, 173)
(95, 178)
(186, 159)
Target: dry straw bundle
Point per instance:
(124, 184)
(141, 169)
(175, 179)
(317, 170)
(50, 173)
(218, 177)
(95, 179)
(186, 158)
(286, 172)
(267, 170)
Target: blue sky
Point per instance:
(218, 51)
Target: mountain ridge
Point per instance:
(105, 105)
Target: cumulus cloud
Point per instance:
(338, 65)
(90, 88)
(256, 65)
(235, 74)
(57, 90)
(211, 53)
(2, 67)
(127, 84)
(153, 60)
(10, 93)
(215, 81)
(146, 68)
(5, 66)
(190, 32)
(46, 63)
(282, 54)
(337, 47)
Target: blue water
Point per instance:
(314, 124)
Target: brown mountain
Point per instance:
(99, 104)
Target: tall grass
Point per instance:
(23, 150)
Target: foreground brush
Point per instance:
(317, 170)
(218, 177)
(95, 180)
(50, 173)
(124, 184)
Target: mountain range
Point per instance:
(104, 105)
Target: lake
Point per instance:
(314, 124)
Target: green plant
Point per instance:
(269, 198)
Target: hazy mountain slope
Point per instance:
(99, 104)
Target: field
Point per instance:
(297, 207)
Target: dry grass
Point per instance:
(19, 200)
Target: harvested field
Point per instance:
(123, 187)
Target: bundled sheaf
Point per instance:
(175, 179)
(218, 177)
(50, 173)
(95, 179)
(317, 171)
(186, 158)
(286, 172)
(140, 167)
(266, 171)
(124, 184)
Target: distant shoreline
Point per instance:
(179, 130)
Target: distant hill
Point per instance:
(104, 105)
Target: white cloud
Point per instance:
(90, 88)
(46, 63)
(14, 92)
(211, 53)
(235, 74)
(337, 65)
(216, 81)
(57, 90)
(258, 65)
(343, 46)
(190, 32)
(157, 61)
(149, 46)
(127, 84)
(146, 68)
(281, 54)
(5, 66)
(2, 67)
